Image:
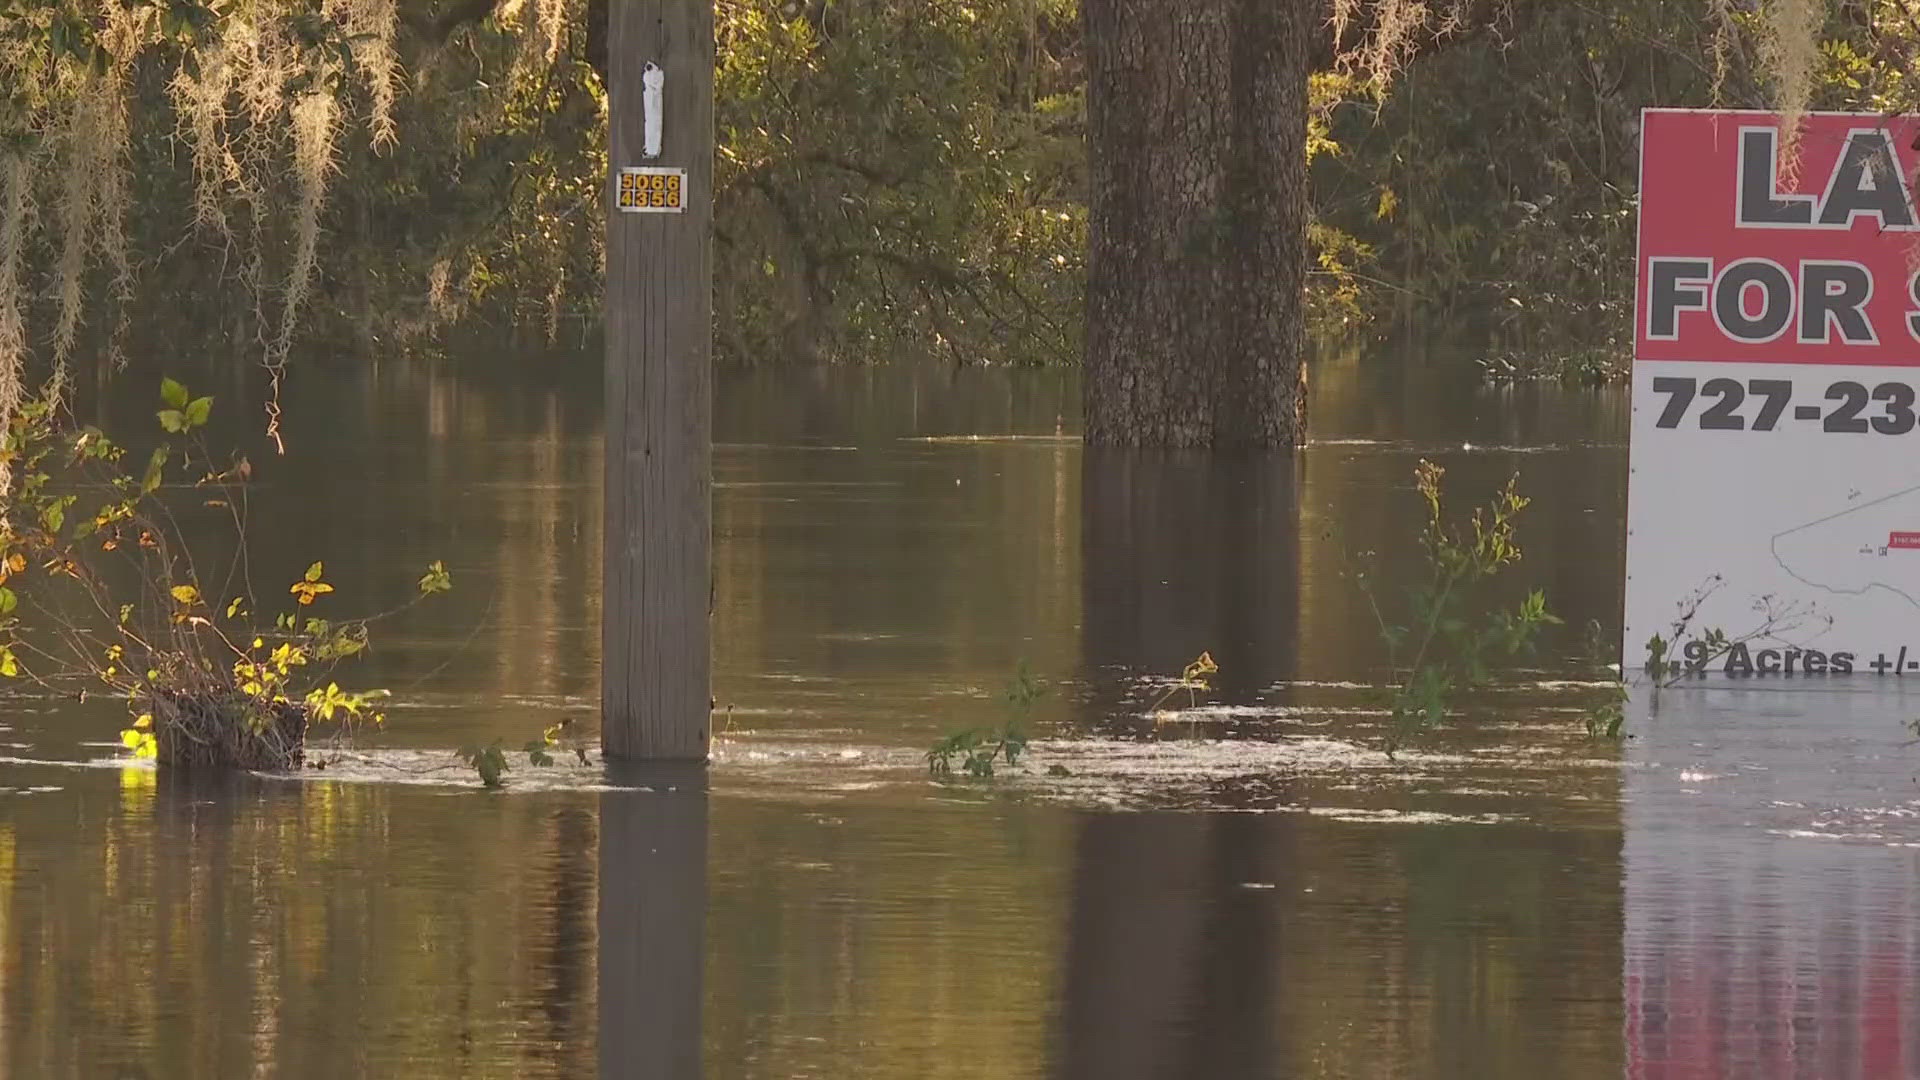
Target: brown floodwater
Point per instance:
(1233, 884)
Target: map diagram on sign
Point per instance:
(1871, 546)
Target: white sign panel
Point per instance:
(652, 191)
(1775, 487)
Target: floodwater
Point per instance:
(1247, 887)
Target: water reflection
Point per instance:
(1184, 553)
(820, 909)
(1772, 882)
(653, 898)
(185, 927)
(1172, 969)
(1284, 946)
(1238, 945)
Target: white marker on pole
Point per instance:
(654, 81)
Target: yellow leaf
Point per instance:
(1204, 665)
(307, 590)
(186, 594)
(144, 722)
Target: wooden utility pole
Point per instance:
(654, 637)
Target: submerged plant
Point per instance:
(977, 749)
(1193, 679)
(1448, 629)
(1684, 651)
(112, 593)
(490, 762)
(1607, 719)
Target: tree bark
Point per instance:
(1197, 253)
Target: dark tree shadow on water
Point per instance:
(1170, 969)
(1171, 961)
(653, 894)
(1184, 553)
(563, 946)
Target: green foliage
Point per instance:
(1682, 651)
(490, 762)
(894, 177)
(108, 592)
(1448, 628)
(1710, 645)
(977, 749)
(1608, 718)
(899, 176)
(436, 579)
(1494, 186)
(902, 176)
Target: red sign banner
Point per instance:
(1754, 251)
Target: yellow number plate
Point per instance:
(653, 191)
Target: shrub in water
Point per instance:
(111, 594)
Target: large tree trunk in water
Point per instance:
(1197, 145)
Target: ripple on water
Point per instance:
(1309, 773)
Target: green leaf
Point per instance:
(156, 466)
(436, 579)
(173, 420)
(197, 411)
(173, 393)
(8, 601)
(314, 571)
(490, 762)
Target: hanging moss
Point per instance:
(262, 93)
(1790, 52)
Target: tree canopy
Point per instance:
(895, 177)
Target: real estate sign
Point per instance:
(1775, 488)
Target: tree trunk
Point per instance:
(1197, 257)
